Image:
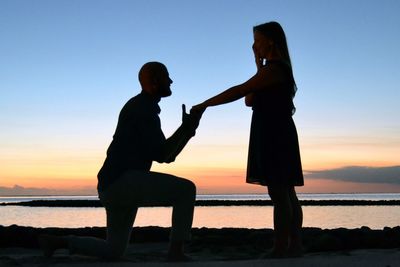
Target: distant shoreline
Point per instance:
(208, 203)
(200, 194)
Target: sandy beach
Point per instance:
(213, 247)
(154, 251)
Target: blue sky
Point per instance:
(69, 66)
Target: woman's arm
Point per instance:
(265, 77)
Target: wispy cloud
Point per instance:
(34, 191)
(360, 174)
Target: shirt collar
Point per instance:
(152, 100)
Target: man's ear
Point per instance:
(154, 86)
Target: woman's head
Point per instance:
(270, 43)
(270, 37)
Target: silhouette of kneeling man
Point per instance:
(125, 181)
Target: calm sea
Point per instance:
(329, 217)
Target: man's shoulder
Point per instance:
(140, 105)
(134, 103)
(135, 99)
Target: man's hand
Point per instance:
(191, 121)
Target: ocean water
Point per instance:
(326, 217)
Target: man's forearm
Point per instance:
(175, 144)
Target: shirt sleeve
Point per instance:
(152, 137)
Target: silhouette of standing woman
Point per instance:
(274, 156)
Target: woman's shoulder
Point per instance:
(275, 70)
(277, 63)
(278, 68)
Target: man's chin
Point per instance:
(166, 94)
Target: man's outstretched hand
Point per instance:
(179, 139)
(191, 121)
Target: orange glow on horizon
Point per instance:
(212, 182)
(54, 183)
(214, 169)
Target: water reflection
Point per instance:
(375, 217)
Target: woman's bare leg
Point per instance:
(283, 214)
(295, 239)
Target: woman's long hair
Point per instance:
(274, 31)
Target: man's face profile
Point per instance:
(163, 83)
(154, 79)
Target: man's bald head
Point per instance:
(151, 70)
(154, 78)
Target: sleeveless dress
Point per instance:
(274, 154)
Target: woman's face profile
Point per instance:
(261, 46)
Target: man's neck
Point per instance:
(154, 97)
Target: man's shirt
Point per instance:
(138, 140)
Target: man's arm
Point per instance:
(175, 144)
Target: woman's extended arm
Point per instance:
(265, 77)
(227, 96)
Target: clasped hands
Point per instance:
(192, 120)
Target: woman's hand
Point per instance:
(198, 109)
(259, 63)
(259, 60)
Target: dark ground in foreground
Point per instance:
(239, 243)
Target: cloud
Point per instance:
(18, 190)
(359, 174)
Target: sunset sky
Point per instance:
(68, 66)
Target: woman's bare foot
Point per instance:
(176, 252)
(296, 251)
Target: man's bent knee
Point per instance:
(190, 187)
(187, 188)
